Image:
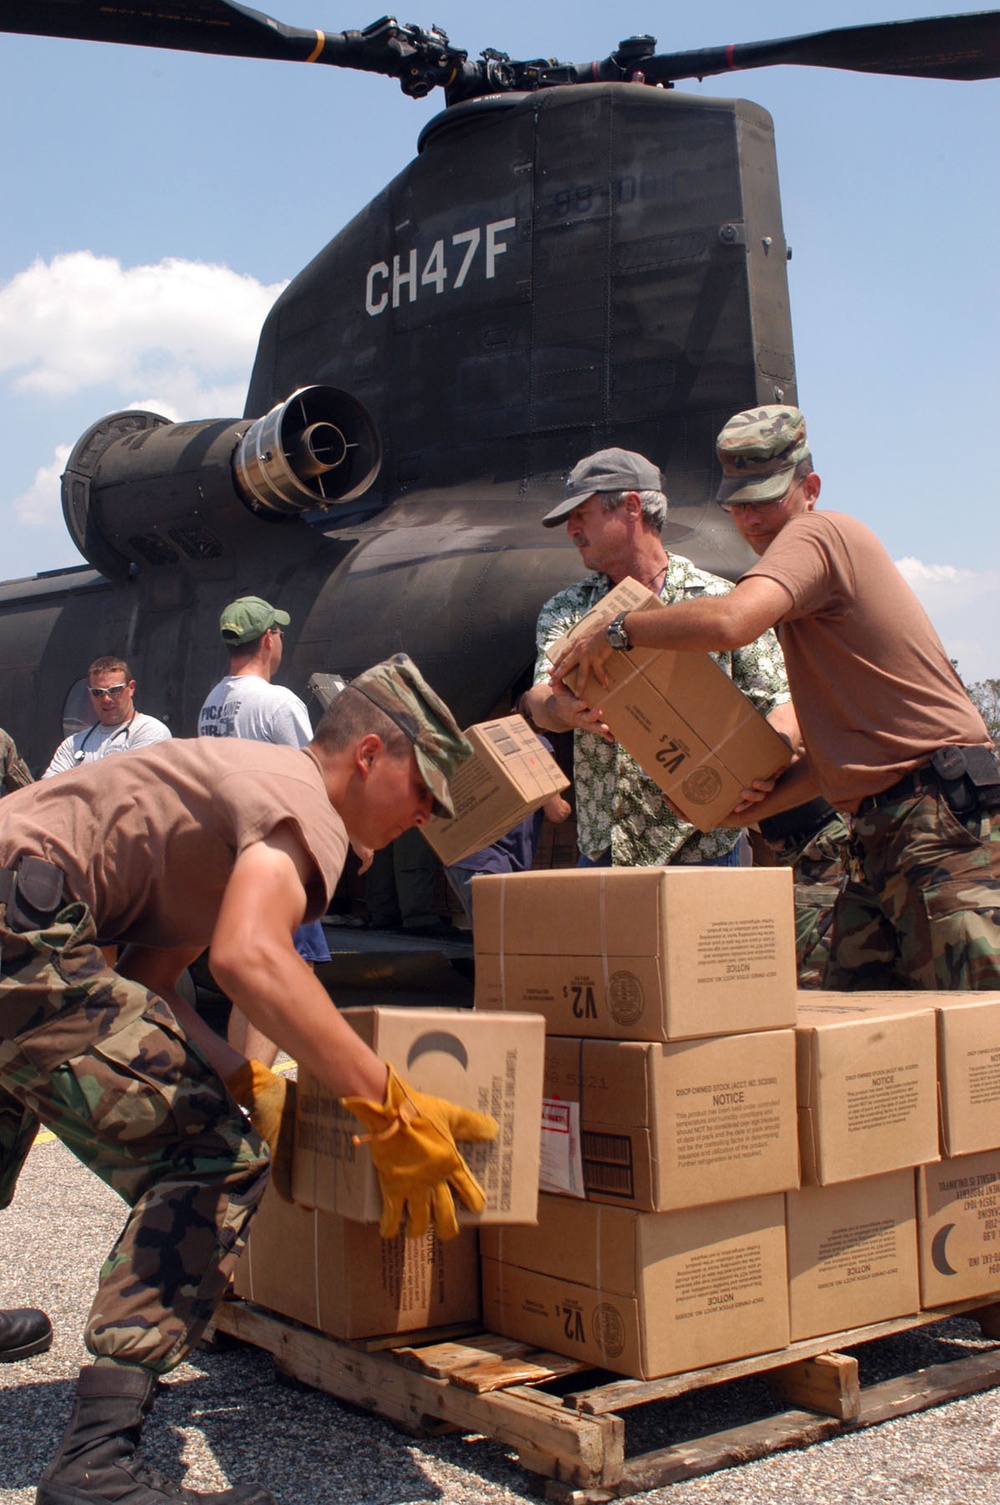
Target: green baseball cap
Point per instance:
(246, 620)
(758, 450)
(399, 689)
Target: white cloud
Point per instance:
(183, 329)
(40, 505)
(964, 605)
(918, 574)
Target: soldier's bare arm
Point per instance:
(255, 963)
(706, 625)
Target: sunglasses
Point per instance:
(114, 690)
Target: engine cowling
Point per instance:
(140, 491)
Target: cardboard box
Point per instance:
(968, 1062)
(852, 1254)
(661, 1127)
(642, 1293)
(479, 1061)
(958, 1228)
(681, 717)
(510, 775)
(867, 1085)
(344, 1280)
(968, 1071)
(657, 953)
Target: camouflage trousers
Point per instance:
(921, 908)
(819, 865)
(104, 1064)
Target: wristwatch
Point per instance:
(617, 636)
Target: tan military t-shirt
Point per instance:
(148, 840)
(873, 688)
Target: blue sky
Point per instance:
(155, 203)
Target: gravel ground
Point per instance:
(226, 1418)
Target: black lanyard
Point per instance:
(81, 750)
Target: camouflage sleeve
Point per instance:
(759, 671)
(14, 771)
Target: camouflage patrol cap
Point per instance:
(607, 470)
(758, 450)
(399, 689)
(246, 620)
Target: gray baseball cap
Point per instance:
(607, 470)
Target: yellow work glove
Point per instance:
(412, 1140)
(270, 1101)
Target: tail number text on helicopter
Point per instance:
(383, 285)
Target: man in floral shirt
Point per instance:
(614, 510)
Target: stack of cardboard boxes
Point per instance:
(889, 1082)
(867, 1091)
(320, 1260)
(958, 1196)
(674, 1229)
(670, 1122)
(726, 1166)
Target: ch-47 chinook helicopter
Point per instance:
(574, 258)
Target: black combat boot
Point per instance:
(23, 1331)
(96, 1462)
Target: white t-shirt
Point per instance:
(100, 741)
(244, 705)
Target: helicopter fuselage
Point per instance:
(553, 273)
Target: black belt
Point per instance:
(920, 781)
(798, 823)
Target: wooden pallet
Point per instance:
(575, 1443)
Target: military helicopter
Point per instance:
(575, 257)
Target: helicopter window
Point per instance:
(78, 709)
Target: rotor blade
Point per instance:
(958, 47)
(188, 25)
(214, 26)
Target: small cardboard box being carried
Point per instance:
(958, 1228)
(656, 953)
(681, 717)
(487, 1062)
(867, 1074)
(345, 1280)
(641, 1293)
(661, 1127)
(510, 775)
(852, 1254)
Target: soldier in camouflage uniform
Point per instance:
(14, 771)
(614, 510)
(891, 736)
(24, 1330)
(191, 843)
(812, 840)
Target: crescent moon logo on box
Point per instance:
(938, 1256)
(438, 1039)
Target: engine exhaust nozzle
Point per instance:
(317, 449)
